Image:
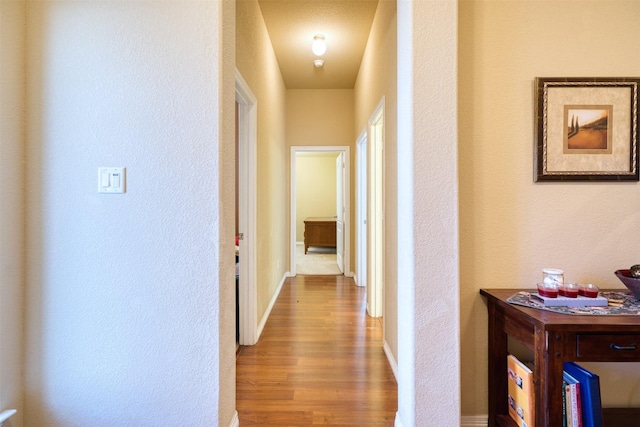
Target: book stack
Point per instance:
(520, 389)
(581, 392)
(582, 405)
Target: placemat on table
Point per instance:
(620, 304)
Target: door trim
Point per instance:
(347, 202)
(361, 208)
(247, 165)
(376, 221)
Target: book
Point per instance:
(573, 400)
(568, 403)
(564, 404)
(589, 392)
(520, 390)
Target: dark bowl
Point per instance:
(630, 282)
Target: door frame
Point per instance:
(361, 208)
(247, 197)
(347, 202)
(376, 219)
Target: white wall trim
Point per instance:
(235, 421)
(474, 421)
(5, 415)
(465, 421)
(247, 147)
(392, 361)
(397, 422)
(267, 312)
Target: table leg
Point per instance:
(497, 356)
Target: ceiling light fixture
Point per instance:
(319, 47)
(318, 63)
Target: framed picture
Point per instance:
(586, 129)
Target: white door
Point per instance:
(375, 284)
(247, 140)
(361, 210)
(340, 211)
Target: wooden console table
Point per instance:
(319, 232)
(554, 339)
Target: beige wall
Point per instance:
(377, 79)
(315, 188)
(321, 117)
(257, 63)
(147, 86)
(12, 120)
(511, 227)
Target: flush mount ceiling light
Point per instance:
(318, 63)
(319, 47)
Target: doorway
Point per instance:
(246, 168)
(361, 209)
(342, 239)
(375, 262)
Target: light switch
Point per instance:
(111, 180)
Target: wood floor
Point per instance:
(319, 361)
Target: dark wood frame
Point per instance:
(542, 85)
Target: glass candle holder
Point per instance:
(589, 290)
(553, 276)
(569, 290)
(549, 290)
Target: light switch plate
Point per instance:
(111, 180)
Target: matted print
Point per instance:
(586, 129)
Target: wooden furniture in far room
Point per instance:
(554, 338)
(319, 232)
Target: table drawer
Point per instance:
(609, 347)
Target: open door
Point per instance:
(361, 209)
(375, 275)
(246, 168)
(340, 211)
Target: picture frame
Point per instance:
(586, 129)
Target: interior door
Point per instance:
(375, 276)
(361, 210)
(340, 211)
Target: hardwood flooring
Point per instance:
(319, 361)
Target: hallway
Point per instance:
(319, 360)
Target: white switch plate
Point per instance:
(111, 180)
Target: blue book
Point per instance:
(589, 393)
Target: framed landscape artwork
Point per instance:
(586, 129)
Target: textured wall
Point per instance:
(12, 36)
(320, 117)
(512, 227)
(123, 306)
(377, 79)
(257, 63)
(428, 299)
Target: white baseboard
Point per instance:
(235, 421)
(267, 312)
(465, 421)
(391, 359)
(474, 421)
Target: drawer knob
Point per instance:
(632, 347)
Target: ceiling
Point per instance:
(293, 23)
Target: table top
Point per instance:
(551, 319)
(320, 219)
